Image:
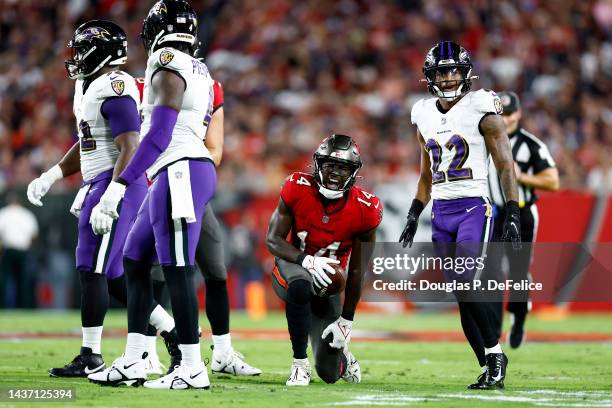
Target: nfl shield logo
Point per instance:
(178, 175)
(165, 57)
(444, 121)
(118, 86)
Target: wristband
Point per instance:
(300, 259)
(53, 174)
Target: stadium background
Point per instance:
(294, 72)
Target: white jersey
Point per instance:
(98, 150)
(196, 110)
(457, 150)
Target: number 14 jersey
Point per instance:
(457, 151)
(328, 227)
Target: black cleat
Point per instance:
(516, 337)
(479, 382)
(496, 371)
(81, 366)
(172, 345)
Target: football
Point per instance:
(337, 285)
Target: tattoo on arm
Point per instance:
(424, 185)
(498, 144)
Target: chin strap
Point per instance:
(330, 194)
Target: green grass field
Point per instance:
(416, 374)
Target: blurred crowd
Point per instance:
(294, 72)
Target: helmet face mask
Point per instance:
(94, 45)
(448, 57)
(337, 162)
(170, 22)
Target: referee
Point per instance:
(535, 169)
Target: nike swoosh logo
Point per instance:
(470, 209)
(195, 375)
(218, 362)
(93, 370)
(126, 367)
(498, 377)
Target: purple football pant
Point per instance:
(466, 224)
(156, 234)
(104, 253)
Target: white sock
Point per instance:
(223, 344)
(301, 361)
(92, 337)
(191, 356)
(161, 320)
(495, 349)
(152, 345)
(136, 346)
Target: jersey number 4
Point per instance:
(88, 143)
(332, 248)
(455, 170)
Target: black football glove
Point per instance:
(412, 222)
(512, 225)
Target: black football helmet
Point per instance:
(96, 44)
(170, 21)
(444, 56)
(340, 149)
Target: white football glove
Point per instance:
(110, 199)
(41, 185)
(100, 223)
(317, 266)
(341, 331)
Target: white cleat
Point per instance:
(300, 374)
(232, 363)
(182, 378)
(153, 366)
(352, 373)
(122, 372)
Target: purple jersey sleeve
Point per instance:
(122, 115)
(152, 145)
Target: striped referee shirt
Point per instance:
(532, 157)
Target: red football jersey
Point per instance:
(328, 230)
(217, 90)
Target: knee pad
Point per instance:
(299, 292)
(327, 373)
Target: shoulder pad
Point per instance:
(168, 58)
(487, 101)
(371, 209)
(416, 109)
(114, 84)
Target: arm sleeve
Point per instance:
(218, 96)
(122, 115)
(152, 145)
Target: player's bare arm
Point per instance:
(498, 145)
(547, 179)
(278, 229)
(421, 198)
(169, 89)
(423, 193)
(214, 136)
(357, 271)
(127, 143)
(71, 162)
